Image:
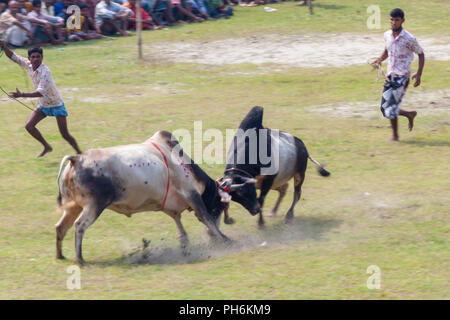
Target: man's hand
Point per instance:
(376, 63)
(3, 44)
(30, 34)
(16, 94)
(417, 76)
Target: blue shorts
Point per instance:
(54, 111)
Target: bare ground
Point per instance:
(317, 50)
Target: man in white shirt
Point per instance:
(111, 17)
(400, 48)
(14, 26)
(50, 100)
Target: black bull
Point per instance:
(265, 159)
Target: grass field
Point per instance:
(385, 204)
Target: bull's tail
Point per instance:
(72, 160)
(321, 170)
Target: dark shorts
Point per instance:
(54, 111)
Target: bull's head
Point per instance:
(241, 189)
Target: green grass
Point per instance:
(338, 232)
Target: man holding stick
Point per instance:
(50, 101)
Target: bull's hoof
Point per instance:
(229, 221)
(185, 251)
(227, 242)
(273, 213)
(261, 226)
(288, 219)
(81, 262)
(60, 257)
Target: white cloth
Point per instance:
(48, 11)
(16, 35)
(42, 82)
(401, 51)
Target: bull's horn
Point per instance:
(234, 187)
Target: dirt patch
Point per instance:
(157, 88)
(302, 228)
(318, 50)
(426, 103)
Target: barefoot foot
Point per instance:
(395, 138)
(411, 120)
(46, 150)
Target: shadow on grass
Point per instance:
(427, 143)
(301, 228)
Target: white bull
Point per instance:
(135, 178)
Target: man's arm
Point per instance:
(4, 46)
(418, 74)
(21, 61)
(21, 26)
(19, 94)
(32, 18)
(383, 57)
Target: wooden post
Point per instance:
(310, 6)
(139, 27)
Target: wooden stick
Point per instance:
(139, 27)
(310, 6)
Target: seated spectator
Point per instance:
(181, 12)
(217, 9)
(111, 17)
(48, 7)
(60, 9)
(22, 6)
(89, 30)
(28, 6)
(3, 5)
(147, 21)
(14, 26)
(91, 7)
(198, 6)
(45, 28)
(144, 5)
(161, 12)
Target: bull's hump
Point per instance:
(164, 139)
(253, 119)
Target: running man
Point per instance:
(400, 46)
(50, 101)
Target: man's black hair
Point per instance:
(36, 3)
(35, 49)
(397, 13)
(83, 5)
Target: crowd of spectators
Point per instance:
(42, 22)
